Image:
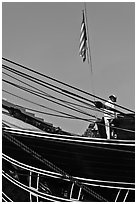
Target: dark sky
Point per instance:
(45, 37)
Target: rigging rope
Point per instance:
(36, 94)
(53, 79)
(40, 105)
(69, 115)
(50, 86)
(46, 94)
(30, 78)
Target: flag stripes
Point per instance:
(83, 40)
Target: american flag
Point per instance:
(83, 40)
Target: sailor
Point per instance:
(109, 114)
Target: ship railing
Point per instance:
(85, 181)
(72, 138)
(6, 198)
(122, 195)
(33, 184)
(32, 181)
(34, 192)
(74, 193)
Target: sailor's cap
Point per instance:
(113, 96)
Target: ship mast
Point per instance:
(89, 51)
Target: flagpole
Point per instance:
(88, 46)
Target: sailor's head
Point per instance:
(113, 98)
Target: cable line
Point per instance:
(72, 104)
(46, 94)
(30, 91)
(69, 115)
(42, 105)
(42, 83)
(30, 78)
(35, 93)
(46, 113)
(53, 79)
(36, 81)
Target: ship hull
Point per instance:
(88, 158)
